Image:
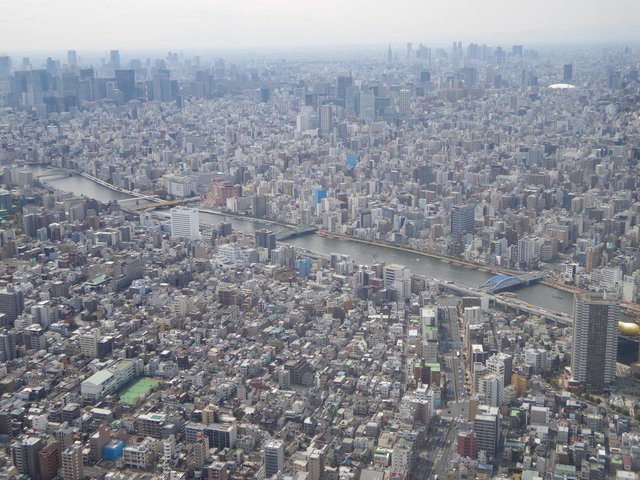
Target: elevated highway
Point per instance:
(518, 306)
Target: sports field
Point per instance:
(137, 389)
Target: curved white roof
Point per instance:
(561, 86)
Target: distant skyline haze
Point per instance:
(39, 25)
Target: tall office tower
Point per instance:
(470, 76)
(486, 427)
(162, 85)
(265, 94)
(367, 106)
(265, 239)
(341, 93)
(463, 219)
(595, 341)
(5, 67)
(185, 223)
(49, 460)
(424, 174)
(72, 464)
(11, 302)
(72, 58)
(115, 58)
(126, 81)
(404, 101)
(24, 452)
(567, 75)
(326, 118)
(273, 458)
(397, 279)
(491, 386)
(259, 206)
(614, 79)
(7, 345)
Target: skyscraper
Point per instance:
(185, 223)
(397, 279)
(567, 76)
(126, 81)
(463, 219)
(265, 239)
(115, 58)
(5, 67)
(404, 101)
(326, 118)
(7, 345)
(344, 83)
(595, 341)
(72, 58)
(273, 458)
(486, 426)
(11, 302)
(259, 206)
(367, 106)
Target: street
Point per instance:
(442, 443)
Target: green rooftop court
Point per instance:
(139, 388)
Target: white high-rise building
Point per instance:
(89, 339)
(273, 458)
(501, 364)
(326, 118)
(595, 341)
(397, 279)
(404, 101)
(537, 358)
(42, 313)
(169, 448)
(472, 316)
(491, 386)
(315, 464)
(72, 464)
(185, 223)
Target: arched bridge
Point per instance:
(504, 283)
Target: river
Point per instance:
(538, 295)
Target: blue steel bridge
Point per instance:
(505, 283)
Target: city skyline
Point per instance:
(195, 24)
(414, 261)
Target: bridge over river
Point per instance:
(505, 283)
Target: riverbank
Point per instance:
(562, 286)
(248, 218)
(424, 263)
(628, 306)
(438, 256)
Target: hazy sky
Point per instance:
(214, 24)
